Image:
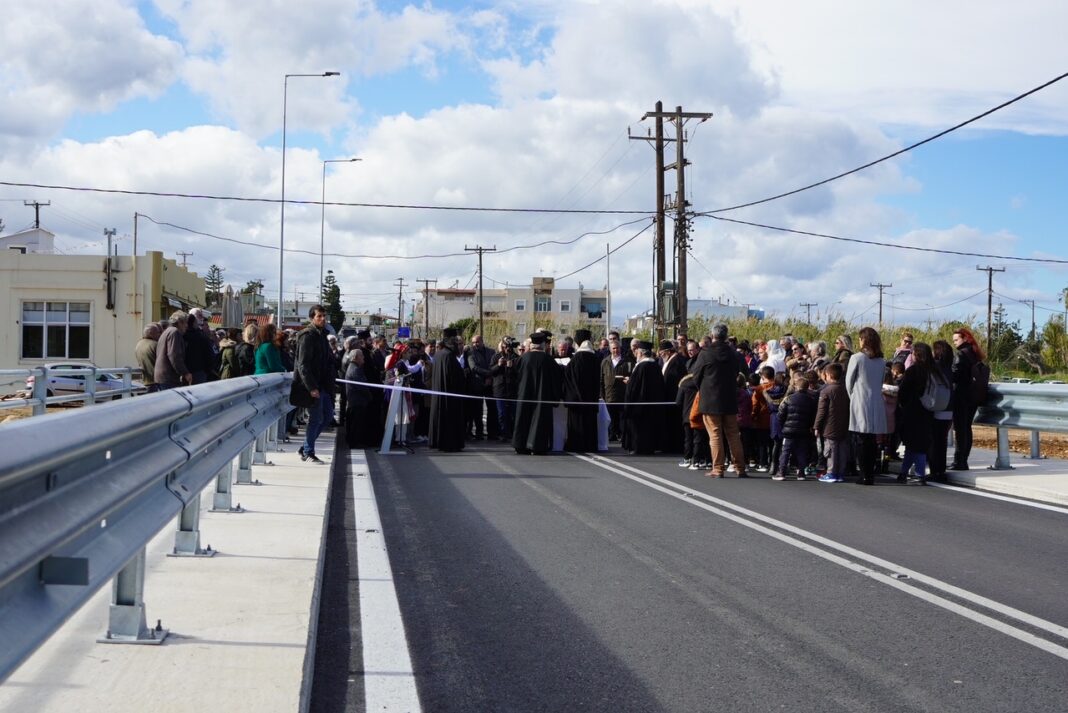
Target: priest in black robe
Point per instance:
(673, 369)
(582, 383)
(540, 380)
(373, 422)
(447, 423)
(644, 386)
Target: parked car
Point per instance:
(1018, 380)
(61, 384)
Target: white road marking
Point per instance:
(389, 680)
(1005, 498)
(694, 498)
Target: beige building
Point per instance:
(518, 310)
(85, 308)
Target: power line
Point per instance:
(618, 247)
(931, 309)
(884, 245)
(342, 204)
(929, 139)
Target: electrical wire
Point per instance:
(618, 247)
(943, 251)
(929, 139)
(931, 309)
(1028, 303)
(714, 277)
(340, 204)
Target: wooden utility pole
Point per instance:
(657, 139)
(1032, 303)
(183, 255)
(426, 305)
(881, 288)
(989, 303)
(479, 249)
(400, 284)
(808, 310)
(36, 210)
(682, 222)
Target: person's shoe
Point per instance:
(801, 475)
(778, 476)
(828, 478)
(303, 455)
(314, 458)
(714, 474)
(293, 431)
(695, 466)
(684, 464)
(743, 474)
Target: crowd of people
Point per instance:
(789, 409)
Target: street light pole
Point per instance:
(322, 217)
(282, 228)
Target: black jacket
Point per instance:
(962, 377)
(505, 378)
(797, 414)
(716, 373)
(314, 368)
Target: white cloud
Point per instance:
(69, 56)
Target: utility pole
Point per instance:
(479, 249)
(682, 221)
(657, 139)
(183, 255)
(808, 310)
(400, 284)
(881, 288)
(36, 211)
(989, 303)
(1032, 303)
(426, 305)
(608, 289)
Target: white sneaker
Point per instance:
(684, 464)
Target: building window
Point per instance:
(55, 330)
(565, 305)
(520, 305)
(543, 304)
(521, 329)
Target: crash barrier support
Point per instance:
(85, 384)
(1032, 407)
(83, 492)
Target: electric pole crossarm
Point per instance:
(702, 115)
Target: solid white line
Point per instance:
(389, 680)
(1006, 498)
(689, 496)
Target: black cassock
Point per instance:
(671, 436)
(646, 385)
(582, 382)
(447, 422)
(373, 422)
(540, 379)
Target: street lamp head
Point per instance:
(331, 74)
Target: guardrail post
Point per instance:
(187, 538)
(1036, 448)
(1002, 460)
(243, 466)
(127, 384)
(281, 426)
(90, 388)
(126, 616)
(40, 391)
(223, 499)
(259, 455)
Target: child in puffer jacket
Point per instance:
(773, 396)
(797, 414)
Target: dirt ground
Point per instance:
(1054, 445)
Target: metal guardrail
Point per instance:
(40, 400)
(1031, 407)
(83, 492)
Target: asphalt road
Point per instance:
(563, 583)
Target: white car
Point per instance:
(61, 384)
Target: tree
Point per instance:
(331, 299)
(253, 287)
(213, 284)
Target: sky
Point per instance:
(527, 104)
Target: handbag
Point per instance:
(696, 422)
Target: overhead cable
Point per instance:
(618, 247)
(929, 139)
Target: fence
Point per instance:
(83, 492)
(43, 381)
(1031, 407)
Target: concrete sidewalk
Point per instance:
(1042, 479)
(239, 621)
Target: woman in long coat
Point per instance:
(867, 415)
(917, 423)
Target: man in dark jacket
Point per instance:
(582, 383)
(673, 369)
(504, 372)
(539, 390)
(447, 422)
(314, 377)
(645, 385)
(199, 357)
(614, 369)
(170, 369)
(716, 373)
(479, 359)
(832, 423)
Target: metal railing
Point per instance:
(89, 394)
(83, 492)
(1032, 407)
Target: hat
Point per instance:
(538, 338)
(363, 334)
(449, 333)
(667, 345)
(583, 335)
(647, 346)
(543, 332)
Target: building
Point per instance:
(709, 310)
(517, 310)
(83, 308)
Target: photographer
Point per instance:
(505, 384)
